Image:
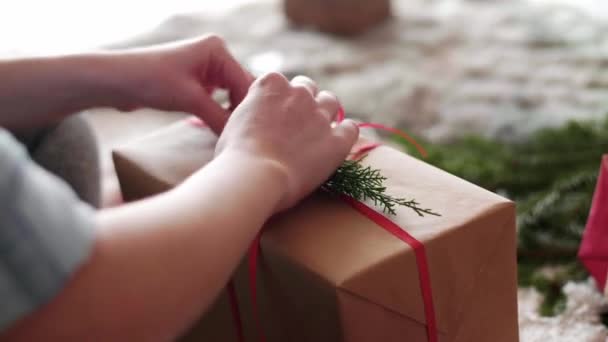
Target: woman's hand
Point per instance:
(180, 77)
(175, 77)
(287, 126)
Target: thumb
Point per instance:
(345, 134)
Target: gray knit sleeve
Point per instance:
(46, 232)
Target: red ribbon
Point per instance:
(254, 251)
(234, 310)
(421, 260)
(340, 117)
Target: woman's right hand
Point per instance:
(287, 128)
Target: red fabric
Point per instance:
(593, 252)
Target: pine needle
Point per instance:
(364, 183)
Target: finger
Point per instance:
(238, 93)
(306, 83)
(328, 104)
(346, 134)
(226, 72)
(210, 111)
(272, 81)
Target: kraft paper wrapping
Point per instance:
(327, 273)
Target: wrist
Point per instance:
(94, 80)
(243, 179)
(271, 176)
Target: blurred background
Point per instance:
(510, 95)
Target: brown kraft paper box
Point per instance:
(327, 273)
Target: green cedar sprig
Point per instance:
(365, 183)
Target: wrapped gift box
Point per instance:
(593, 252)
(329, 273)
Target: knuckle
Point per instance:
(300, 92)
(303, 79)
(328, 97)
(214, 40)
(352, 132)
(320, 121)
(272, 79)
(345, 141)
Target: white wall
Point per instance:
(65, 25)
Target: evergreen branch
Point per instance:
(364, 183)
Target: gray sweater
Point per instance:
(46, 232)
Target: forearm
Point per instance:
(159, 263)
(40, 90)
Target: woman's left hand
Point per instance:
(180, 77)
